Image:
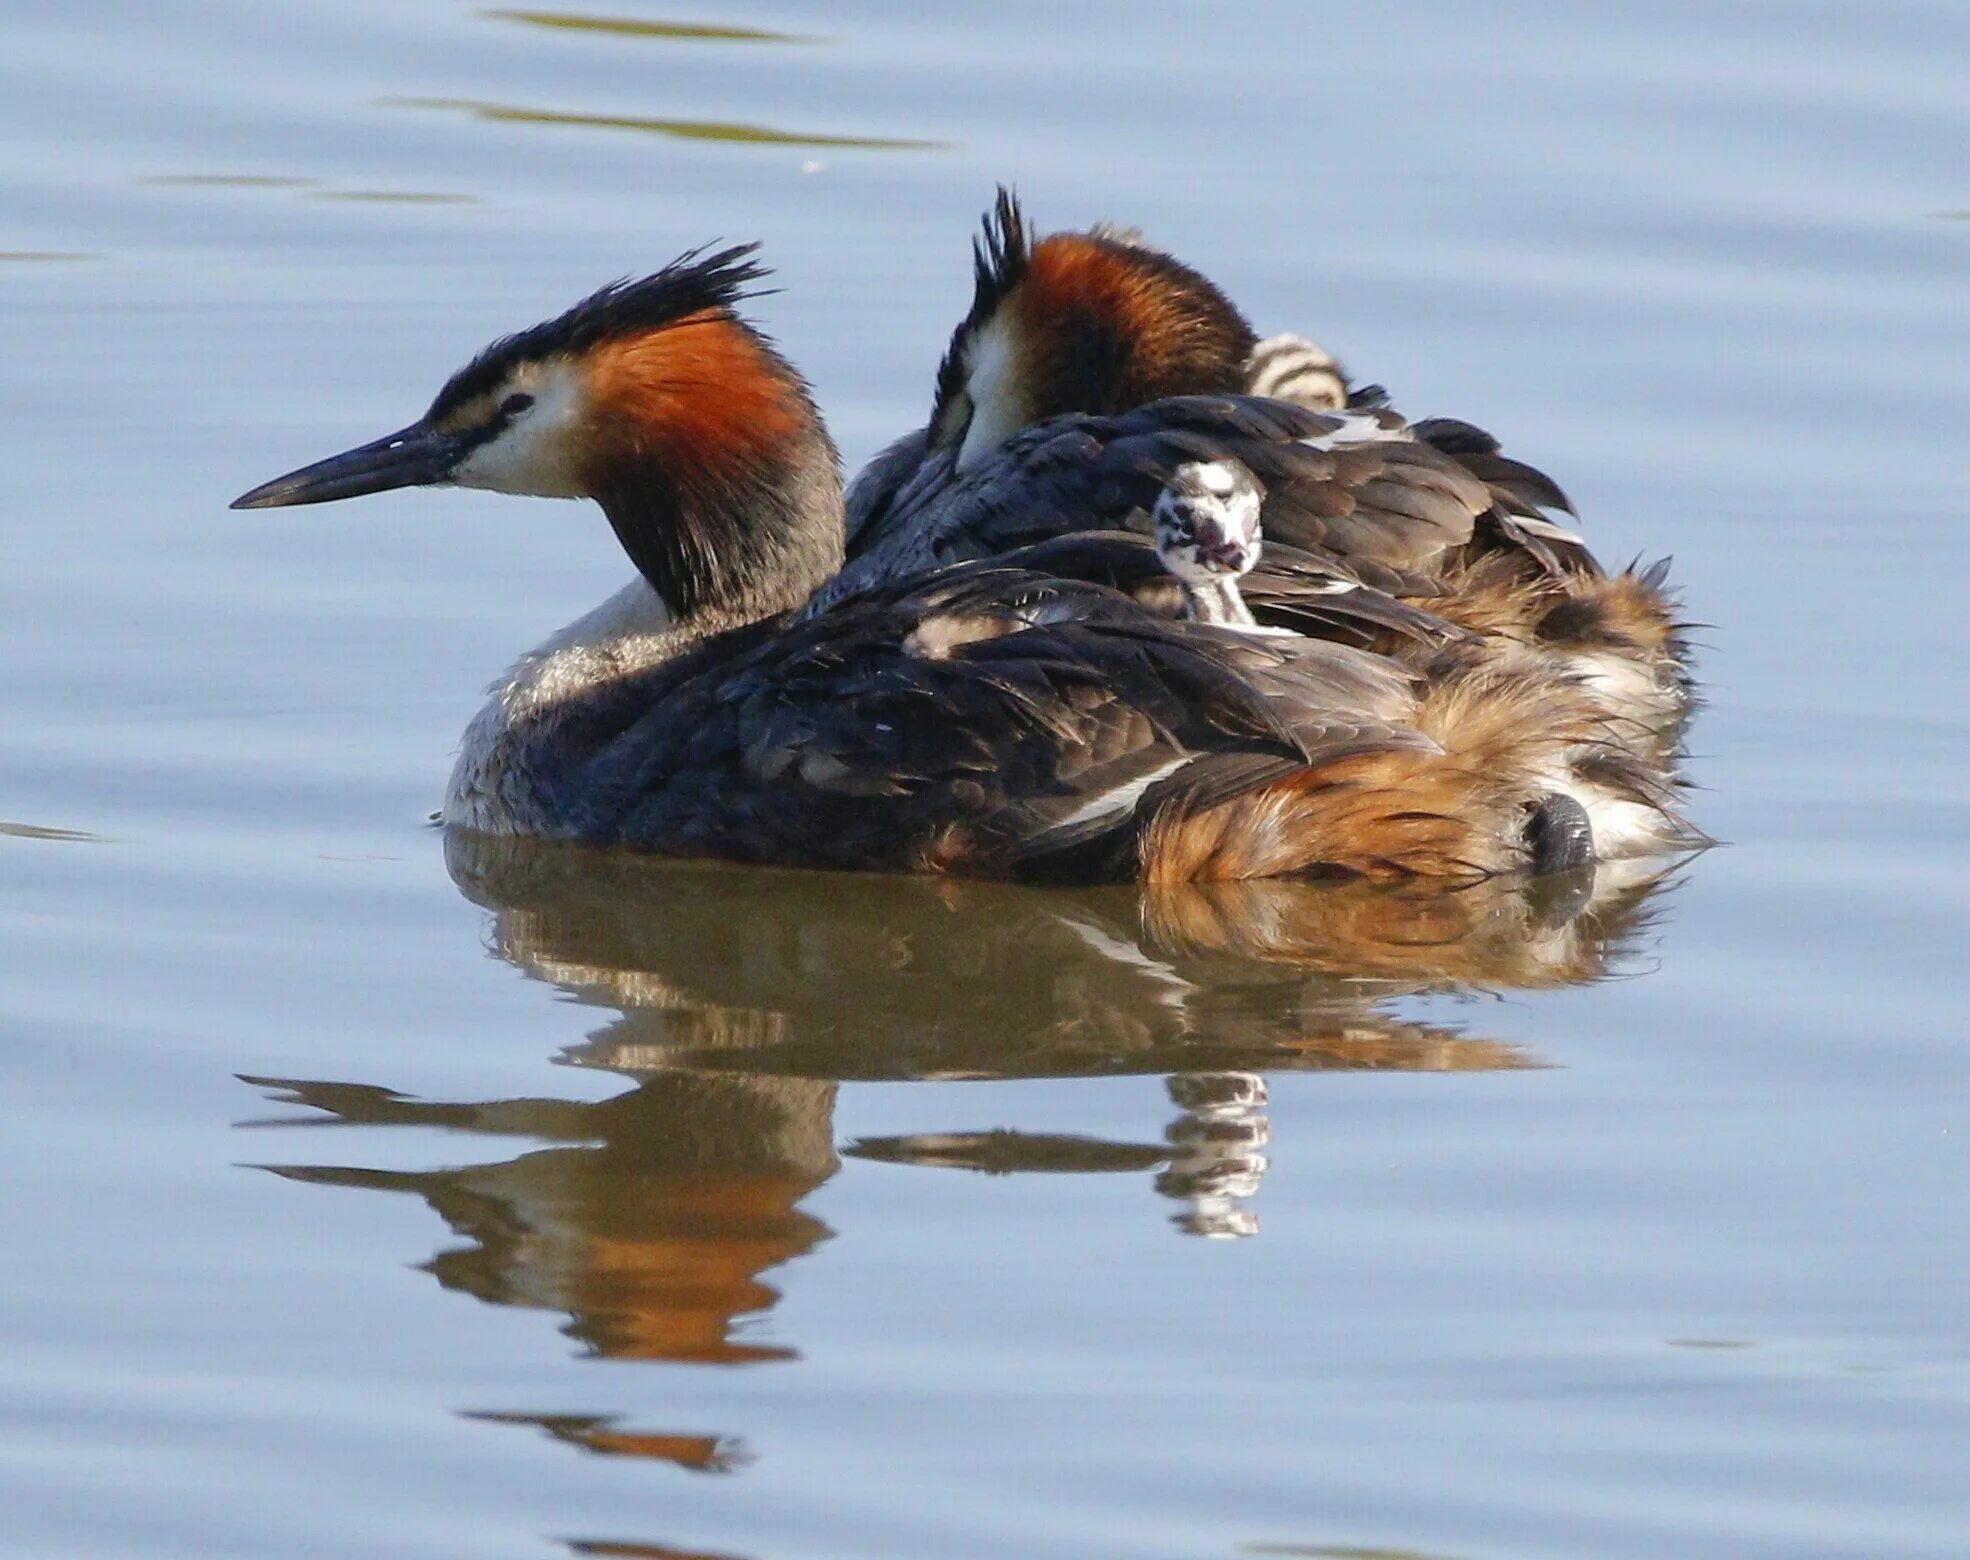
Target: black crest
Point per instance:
(998, 259)
(690, 284)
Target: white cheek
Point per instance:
(993, 387)
(519, 462)
(534, 456)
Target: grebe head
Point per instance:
(1207, 522)
(1077, 322)
(657, 400)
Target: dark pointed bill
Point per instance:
(411, 457)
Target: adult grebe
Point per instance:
(1097, 323)
(977, 719)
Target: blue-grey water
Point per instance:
(361, 1200)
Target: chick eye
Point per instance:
(515, 404)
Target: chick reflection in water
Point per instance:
(742, 999)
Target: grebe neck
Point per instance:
(1218, 602)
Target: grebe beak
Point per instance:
(411, 457)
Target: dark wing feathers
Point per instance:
(1521, 495)
(1395, 508)
(984, 718)
(1310, 594)
(1478, 452)
(876, 485)
(1290, 588)
(1559, 552)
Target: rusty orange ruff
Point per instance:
(701, 397)
(1072, 277)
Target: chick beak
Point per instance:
(411, 457)
(1218, 550)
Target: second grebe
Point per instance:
(1097, 323)
(978, 719)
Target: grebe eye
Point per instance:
(515, 404)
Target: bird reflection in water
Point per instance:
(647, 1219)
(1218, 1163)
(742, 999)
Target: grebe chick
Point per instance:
(1206, 522)
(1289, 367)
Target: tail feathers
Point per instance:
(1494, 596)
(1455, 808)
(1619, 637)
(1633, 610)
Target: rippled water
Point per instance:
(364, 1200)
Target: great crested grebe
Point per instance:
(984, 718)
(1097, 323)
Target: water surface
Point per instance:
(371, 1195)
